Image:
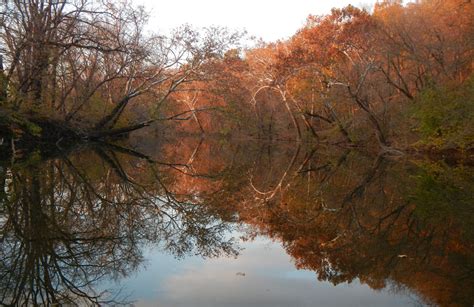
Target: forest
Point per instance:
(396, 79)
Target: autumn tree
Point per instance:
(83, 62)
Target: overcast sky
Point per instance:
(267, 19)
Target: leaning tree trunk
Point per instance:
(293, 118)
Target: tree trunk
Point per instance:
(293, 118)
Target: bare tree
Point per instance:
(83, 62)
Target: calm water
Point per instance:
(210, 223)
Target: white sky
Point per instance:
(267, 19)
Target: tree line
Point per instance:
(396, 75)
(393, 76)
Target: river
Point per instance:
(211, 222)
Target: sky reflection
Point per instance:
(263, 275)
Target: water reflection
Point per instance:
(71, 221)
(74, 220)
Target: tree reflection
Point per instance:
(346, 216)
(389, 223)
(70, 222)
(74, 220)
